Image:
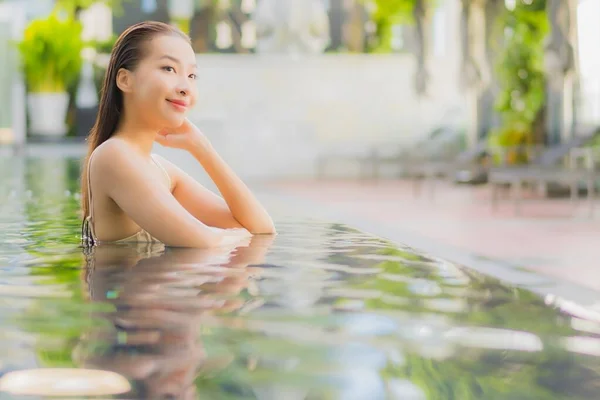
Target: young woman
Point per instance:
(132, 195)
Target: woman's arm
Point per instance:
(244, 206)
(132, 187)
(238, 207)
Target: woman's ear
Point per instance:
(124, 80)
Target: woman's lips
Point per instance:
(179, 105)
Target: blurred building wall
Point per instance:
(271, 116)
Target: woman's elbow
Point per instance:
(266, 229)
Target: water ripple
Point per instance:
(321, 311)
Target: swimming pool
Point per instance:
(322, 311)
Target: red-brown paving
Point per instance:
(550, 236)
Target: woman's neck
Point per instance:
(138, 134)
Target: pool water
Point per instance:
(321, 311)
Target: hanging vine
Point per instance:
(521, 74)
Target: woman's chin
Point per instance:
(174, 121)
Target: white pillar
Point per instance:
(97, 22)
(13, 13)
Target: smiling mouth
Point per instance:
(178, 104)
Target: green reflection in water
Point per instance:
(321, 311)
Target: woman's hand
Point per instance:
(235, 236)
(185, 137)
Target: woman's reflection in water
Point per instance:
(160, 296)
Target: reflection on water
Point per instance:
(319, 312)
(160, 301)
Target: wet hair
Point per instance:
(127, 52)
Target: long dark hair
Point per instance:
(126, 53)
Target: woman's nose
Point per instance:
(184, 87)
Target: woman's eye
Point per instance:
(169, 69)
(193, 76)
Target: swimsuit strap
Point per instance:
(88, 234)
(153, 156)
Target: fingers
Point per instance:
(171, 140)
(165, 139)
(161, 139)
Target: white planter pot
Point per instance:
(47, 113)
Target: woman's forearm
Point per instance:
(244, 206)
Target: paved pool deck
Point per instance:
(550, 236)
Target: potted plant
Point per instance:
(51, 60)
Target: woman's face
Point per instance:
(163, 85)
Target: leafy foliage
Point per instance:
(521, 73)
(105, 46)
(385, 15)
(51, 53)
(72, 6)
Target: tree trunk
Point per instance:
(200, 29)
(421, 75)
(470, 75)
(559, 60)
(488, 117)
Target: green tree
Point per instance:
(76, 6)
(386, 14)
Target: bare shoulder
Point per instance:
(114, 158)
(112, 148)
(113, 151)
